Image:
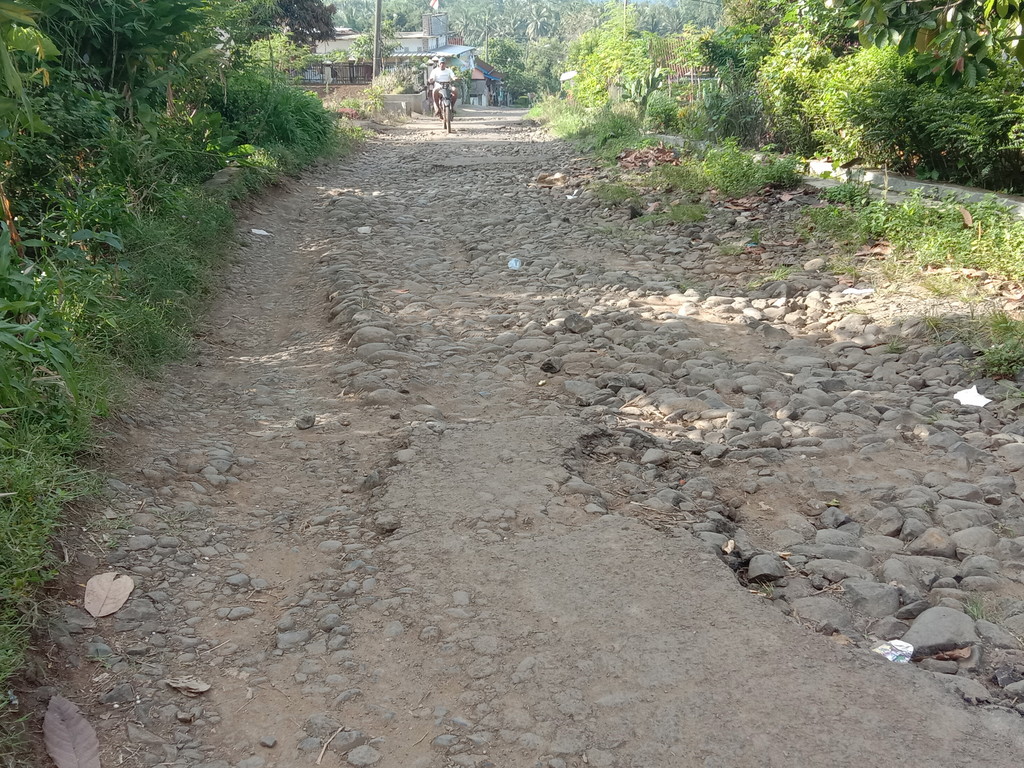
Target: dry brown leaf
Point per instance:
(648, 157)
(68, 737)
(190, 686)
(105, 593)
(954, 655)
(968, 219)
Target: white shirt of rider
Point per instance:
(442, 75)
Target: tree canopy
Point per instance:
(528, 21)
(308, 21)
(959, 41)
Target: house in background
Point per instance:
(486, 88)
(434, 38)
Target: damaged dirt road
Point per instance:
(398, 511)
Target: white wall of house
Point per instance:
(338, 45)
(408, 42)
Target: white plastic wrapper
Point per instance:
(895, 650)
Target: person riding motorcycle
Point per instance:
(441, 75)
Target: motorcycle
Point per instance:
(447, 101)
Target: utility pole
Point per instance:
(377, 13)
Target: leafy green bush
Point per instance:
(688, 176)
(838, 223)
(733, 110)
(929, 233)
(614, 53)
(271, 114)
(662, 112)
(736, 173)
(786, 80)
(605, 131)
(863, 106)
(972, 135)
(849, 193)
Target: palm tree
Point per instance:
(540, 20)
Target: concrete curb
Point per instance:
(904, 186)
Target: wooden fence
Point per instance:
(340, 73)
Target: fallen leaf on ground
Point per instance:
(105, 593)
(68, 737)
(648, 157)
(954, 655)
(190, 686)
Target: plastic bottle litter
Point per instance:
(895, 650)
(514, 263)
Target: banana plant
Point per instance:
(638, 90)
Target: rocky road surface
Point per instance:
(411, 508)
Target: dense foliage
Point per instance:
(791, 75)
(114, 115)
(956, 40)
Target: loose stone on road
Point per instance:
(410, 508)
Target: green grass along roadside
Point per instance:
(109, 322)
(947, 247)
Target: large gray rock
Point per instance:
(888, 522)
(979, 565)
(766, 567)
(996, 636)
(837, 570)
(962, 492)
(975, 539)
(577, 323)
(854, 555)
(823, 612)
(286, 641)
(934, 542)
(970, 690)
(1014, 455)
(871, 598)
(940, 629)
(584, 392)
(363, 756)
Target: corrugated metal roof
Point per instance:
(488, 71)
